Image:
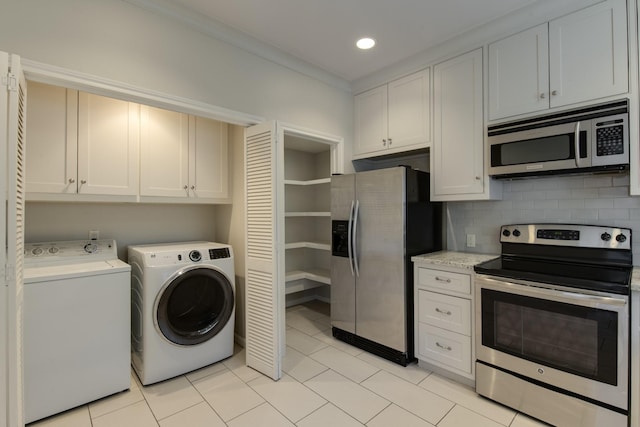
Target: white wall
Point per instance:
(591, 199)
(127, 223)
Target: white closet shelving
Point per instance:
(307, 179)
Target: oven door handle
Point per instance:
(533, 289)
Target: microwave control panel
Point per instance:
(609, 138)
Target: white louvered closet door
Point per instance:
(12, 139)
(264, 325)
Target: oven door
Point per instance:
(558, 337)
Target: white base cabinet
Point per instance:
(443, 309)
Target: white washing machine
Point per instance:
(182, 307)
(76, 325)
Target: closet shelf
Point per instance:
(309, 245)
(309, 182)
(321, 276)
(310, 214)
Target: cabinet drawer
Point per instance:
(445, 280)
(443, 311)
(444, 347)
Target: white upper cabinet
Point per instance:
(576, 58)
(519, 73)
(52, 140)
(182, 156)
(79, 143)
(394, 117)
(208, 159)
(164, 153)
(457, 155)
(108, 145)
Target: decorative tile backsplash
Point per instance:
(590, 199)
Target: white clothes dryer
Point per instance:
(76, 325)
(182, 307)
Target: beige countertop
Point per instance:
(468, 260)
(454, 259)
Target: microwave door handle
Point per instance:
(577, 144)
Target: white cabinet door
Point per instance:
(108, 145)
(408, 111)
(458, 146)
(208, 159)
(52, 139)
(519, 73)
(371, 121)
(588, 54)
(164, 153)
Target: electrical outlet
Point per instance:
(471, 240)
(94, 234)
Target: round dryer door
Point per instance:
(194, 305)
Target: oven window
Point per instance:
(575, 339)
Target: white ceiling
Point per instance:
(323, 32)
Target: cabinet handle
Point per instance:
(384, 142)
(447, 312)
(390, 141)
(193, 187)
(444, 347)
(83, 181)
(477, 178)
(542, 95)
(71, 180)
(554, 92)
(445, 280)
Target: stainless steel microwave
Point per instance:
(586, 140)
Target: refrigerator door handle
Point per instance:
(355, 238)
(349, 231)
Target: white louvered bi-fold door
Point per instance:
(264, 327)
(12, 139)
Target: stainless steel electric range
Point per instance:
(552, 323)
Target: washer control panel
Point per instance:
(50, 251)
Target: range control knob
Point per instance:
(37, 251)
(506, 233)
(516, 232)
(90, 248)
(621, 238)
(53, 250)
(195, 256)
(605, 236)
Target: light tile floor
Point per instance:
(325, 383)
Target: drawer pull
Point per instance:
(447, 312)
(444, 347)
(445, 280)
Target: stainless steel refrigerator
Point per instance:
(379, 220)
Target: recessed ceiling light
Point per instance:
(366, 43)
